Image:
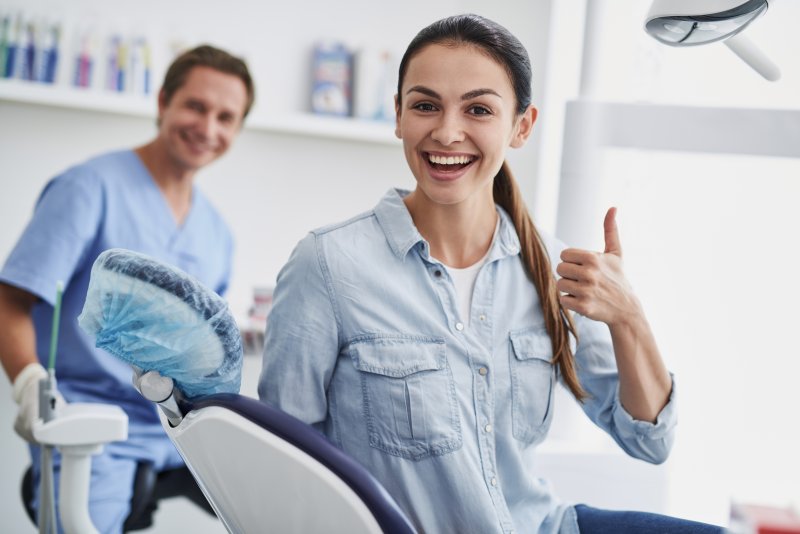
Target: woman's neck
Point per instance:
(460, 234)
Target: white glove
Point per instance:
(26, 394)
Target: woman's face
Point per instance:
(457, 118)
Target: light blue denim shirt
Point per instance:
(365, 343)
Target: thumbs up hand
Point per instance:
(593, 283)
(611, 234)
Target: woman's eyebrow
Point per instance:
(475, 93)
(479, 92)
(425, 91)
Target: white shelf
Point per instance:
(305, 124)
(52, 95)
(331, 127)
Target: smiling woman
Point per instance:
(425, 337)
(457, 103)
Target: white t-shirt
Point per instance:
(464, 281)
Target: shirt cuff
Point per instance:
(630, 427)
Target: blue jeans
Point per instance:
(594, 521)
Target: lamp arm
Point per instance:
(753, 56)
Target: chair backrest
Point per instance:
(265, 471)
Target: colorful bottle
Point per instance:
(5, 30)
(331, 93)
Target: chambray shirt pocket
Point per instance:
(409, 397)
(532, 383)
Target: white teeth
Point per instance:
(449, 160)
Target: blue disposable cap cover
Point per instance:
(159, 318)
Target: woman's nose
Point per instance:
(449, 130)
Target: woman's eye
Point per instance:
(424, 106)
(479, 110)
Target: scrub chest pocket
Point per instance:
(532, 383)
(408, 394)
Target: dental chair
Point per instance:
(262, 470)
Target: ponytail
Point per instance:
(557, 320)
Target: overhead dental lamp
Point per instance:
(697, 22)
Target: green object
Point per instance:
(4, 45)
(56, 319)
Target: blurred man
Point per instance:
(142, 199)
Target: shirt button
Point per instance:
(483, 371)
(437, 273)
(459, 326)
(494, 481)
(488, 428)
(482, 317)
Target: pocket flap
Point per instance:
(397, 356)
(532, 345)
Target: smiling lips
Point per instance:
(197, 145)
(448, 167)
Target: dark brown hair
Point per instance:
(206, 56)
(499, 44)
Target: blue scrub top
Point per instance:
(109, 201)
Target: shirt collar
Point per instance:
(507, 243)
(402, 235)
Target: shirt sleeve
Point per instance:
(301, 345)
(597, 371)
(64, 225)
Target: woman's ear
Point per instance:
(524, 127)
(397, 117)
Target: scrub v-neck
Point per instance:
(166, 218)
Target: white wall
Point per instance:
(705, 236)
(271, 188)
